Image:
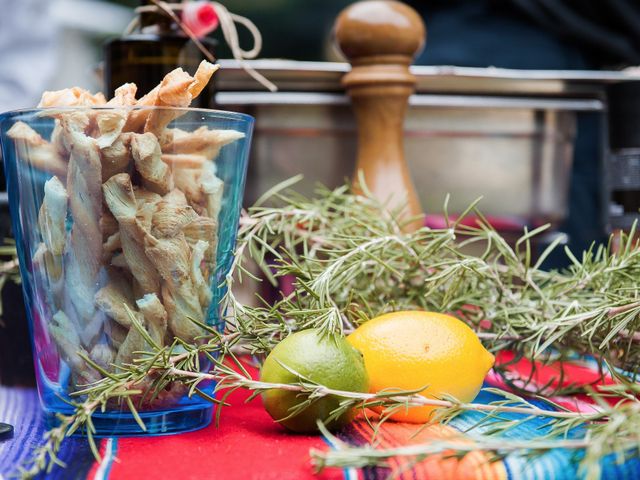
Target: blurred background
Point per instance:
(54, 44)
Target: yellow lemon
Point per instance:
(413, 349)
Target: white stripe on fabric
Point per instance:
(349, 473)
(107, 458)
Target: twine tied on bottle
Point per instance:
(227, 21)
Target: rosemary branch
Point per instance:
(345, 456)
(350, 262)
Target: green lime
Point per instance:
(325, 359)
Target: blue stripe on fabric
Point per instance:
(349, 473)
(21, 408)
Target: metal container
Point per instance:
(505, 135)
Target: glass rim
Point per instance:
(212, 113)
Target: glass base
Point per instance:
(161, 422)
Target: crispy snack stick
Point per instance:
(108, 224)
(53, 216)
(115, 333)
(134, 342)
(147, 155)
(176, 197)
(201, 283)
(202, 77)
(103, 355)
(110, 123)
(58, 141)
(186, 179)
(170, 218)
(52, 225)
(184, 161)
(177, 89)
(202, 141)
(111, 246)
(144, 197)
(203, 229)
(119, 197)
(36, 150)
(137, 118)
(49, 269)
(71, 97)
(116, 158)
(124, 96)
(135, 233)
(212, 188)
(173, 92)
(68, 342)
(172, 258)
(155, 315)
(202, 188)
(114, 297)
(84, 246)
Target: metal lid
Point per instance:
(294, 76)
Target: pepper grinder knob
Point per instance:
(380, 38)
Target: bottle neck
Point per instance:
(157, 22)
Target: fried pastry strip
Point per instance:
(115, 333)
(53, 216)
(203, 229)
(116, 157)
(124, 96)
(173, 92)
(201, 141)
(64, 334)
(201, 283)
(169, 219)
(109, 124)
(71, 97)
(147, 156)
(212, 188)
(103, 355)
(119, 197)
(184, 160)
(114, 297)
(177, 89)
(172, 258)
(201, 78)
(49, 268)
(36, 150)
(155, 315)
(84, 246)
(133, 342)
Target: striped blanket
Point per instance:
(249, 445)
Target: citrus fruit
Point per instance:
(325, 359)
(413, 349)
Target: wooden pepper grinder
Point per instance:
(380, 38)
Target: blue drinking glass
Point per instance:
(113, 208)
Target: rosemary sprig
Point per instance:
(350, 263)
(351, 260)
(345, 456)
(140, 382)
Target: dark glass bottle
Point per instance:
(146, 56)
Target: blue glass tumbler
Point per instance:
(119, 213)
